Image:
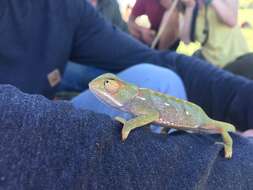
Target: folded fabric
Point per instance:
(51, 145)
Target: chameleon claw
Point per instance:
(228, 152)
(124, 134)
(228, 155)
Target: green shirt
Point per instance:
(224, 44)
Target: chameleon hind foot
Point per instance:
(228, 144)
(223, 128)
(124, 133)
(228, 151)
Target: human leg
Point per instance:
(76, 77)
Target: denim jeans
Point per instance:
(76, 77)
(143, 75)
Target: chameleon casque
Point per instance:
(149, 106)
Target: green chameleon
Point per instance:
(153, 107)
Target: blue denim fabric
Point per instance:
(76, 77)
(52, 145)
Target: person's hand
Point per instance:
(93, 2)
(189, 3)
(147, 35)
(166, 3)
(248, 133)
(135, 33)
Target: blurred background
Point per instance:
(245, 21)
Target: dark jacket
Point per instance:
(40, 36)
(51, 145)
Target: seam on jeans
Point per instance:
(203, 180)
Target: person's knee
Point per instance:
(155, 77)
(158, 73)
(143, 67)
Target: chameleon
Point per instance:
(152, 107)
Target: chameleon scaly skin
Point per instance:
(153, 107)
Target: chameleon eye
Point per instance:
(111, 86)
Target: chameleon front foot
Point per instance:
(228, 144)
(135, 123)
(124, 133)
(120, 119)
(228, 151)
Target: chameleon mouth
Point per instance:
(103, 96)
(92, 86)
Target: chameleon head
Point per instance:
(112, 90)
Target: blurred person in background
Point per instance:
(213, 23)
(154, 9)
(110, 10)
(76, 76)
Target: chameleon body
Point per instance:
(149, 106)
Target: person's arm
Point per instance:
(134, 29)
(186, 21)
(143, 34)
(138, 10)
(99, 44)
(227, 11)
(170, 34)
